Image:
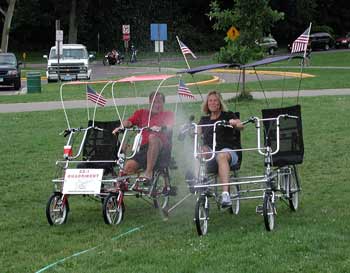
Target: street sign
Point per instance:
(59, 35)
(159, 32)
(159, 46)
(232, 33)
(126, 29)
(59, 47)
(126, 37)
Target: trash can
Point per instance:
(33, 82)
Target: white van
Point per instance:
(74, 63)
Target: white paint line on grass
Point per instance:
(87, 250)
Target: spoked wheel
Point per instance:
(57, 209)
(294, 189)
(160, 190)
(269, 211)
(202, 215)
(113, 208)
(235, 202)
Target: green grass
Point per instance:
(314, 239)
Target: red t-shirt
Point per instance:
(140, 119)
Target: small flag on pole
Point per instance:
(185, 50)
(184, 91)
(94, 97)
(300, 44)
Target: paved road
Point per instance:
(53, 105)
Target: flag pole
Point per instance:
(308, 35)
(87, 102)
(178, 41)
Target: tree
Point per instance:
(8, 14)
(254, 19)
(73, 27)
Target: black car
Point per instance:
(321, 40)
(10, 73)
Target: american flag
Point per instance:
(300, 44)
(184, 91)
(186, 50)
(94, 97)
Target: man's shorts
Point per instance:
(212, 165)
(141, 157)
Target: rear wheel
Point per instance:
(57, 209)
(269, 211)
(113, 208)
(160, 190)
(202, 215)
(294, 189)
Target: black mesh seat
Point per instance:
(100, 145)
(236, 138)
(291, 135)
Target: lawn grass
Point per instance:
(314, 239)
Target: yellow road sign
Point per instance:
(233, 33)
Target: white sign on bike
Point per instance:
(82, 181)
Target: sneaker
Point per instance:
(225, 200)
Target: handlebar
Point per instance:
(68, 131)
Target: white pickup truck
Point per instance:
(73, 63)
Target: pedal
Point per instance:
(259, 209)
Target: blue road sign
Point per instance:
(159, 32)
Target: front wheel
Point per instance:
(57, 209)
(113, 208)
(235, 199)
(269, 211)
(161, 190)
(202, 215)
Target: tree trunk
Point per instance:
(7, 25)
(73, 28)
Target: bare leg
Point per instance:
(131, 167)
(154, 147)
(223, 160)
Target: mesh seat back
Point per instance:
(291, 136)
(101, 145)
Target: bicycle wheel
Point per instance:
(235, 199)
(113, 208)
(202, 215)
(294, 189)
(160, 190)
(269, 211)
(57, 209)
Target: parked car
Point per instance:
(343, 42)
(10, 72)
(269, 44)
(321, 40)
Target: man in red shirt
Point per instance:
(154, 140)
